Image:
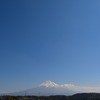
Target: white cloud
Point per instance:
(81, 88)
(71, 87)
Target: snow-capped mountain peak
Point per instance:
(49, 84)
(50, 88)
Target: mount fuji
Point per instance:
(50, 88)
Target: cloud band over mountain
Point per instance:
(71, 87)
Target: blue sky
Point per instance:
(57, 40)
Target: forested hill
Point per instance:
(79, 96)
(85, 96)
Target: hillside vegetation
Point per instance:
(81, 96)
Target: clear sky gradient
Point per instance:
(57, 40)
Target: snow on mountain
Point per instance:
(50, 88)
(45, 89)
(49, 84)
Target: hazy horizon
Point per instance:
(51, 88)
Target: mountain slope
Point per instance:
(45, 89)
(50, 88)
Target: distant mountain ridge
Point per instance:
(51, 88)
